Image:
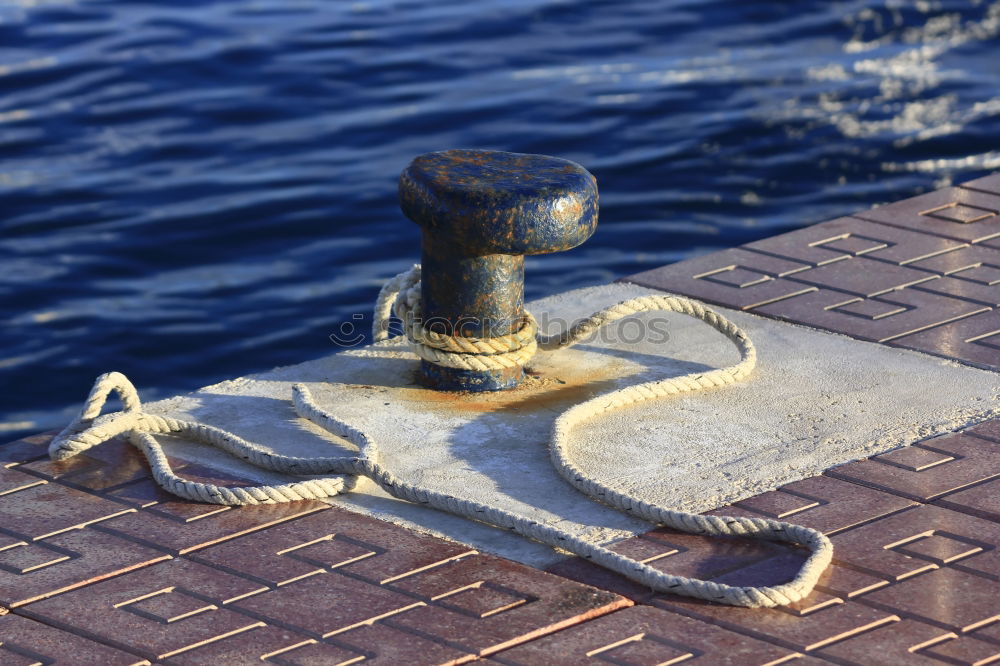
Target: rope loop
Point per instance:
(325, 477)
(401, 296)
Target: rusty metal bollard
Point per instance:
(481, 211)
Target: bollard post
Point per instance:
(481, 212)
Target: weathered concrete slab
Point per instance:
(816, 400)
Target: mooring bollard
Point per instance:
(481, 211)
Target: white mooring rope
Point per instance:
(401, 294)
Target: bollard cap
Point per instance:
(493, 202)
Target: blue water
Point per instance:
(197, 190)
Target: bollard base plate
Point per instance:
(456, 379)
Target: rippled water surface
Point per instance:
(197, 190)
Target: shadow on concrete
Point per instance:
(520, 473)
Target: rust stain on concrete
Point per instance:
(551, 390)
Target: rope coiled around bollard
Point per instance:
(401, 294)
